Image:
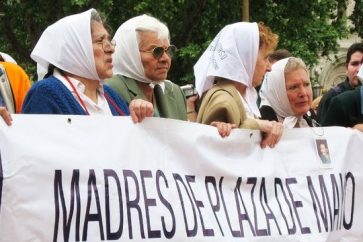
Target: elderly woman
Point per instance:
(228, 71)
(77, 52)
(286, 94)
(142, 60)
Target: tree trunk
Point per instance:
(245, 10)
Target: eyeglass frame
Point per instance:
(170, 51)
(107, 44)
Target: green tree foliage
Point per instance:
(357, 18)
(307, 28)
(22, 23)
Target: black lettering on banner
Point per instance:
(316, 203)
(190, 232)
(97, 217)
(325, 196)
(296, 204)
(235, 233)
(336, 202)
(133, 203)
(264, 204)
(278, 183)
(342, 185)
(243, 216)
(215, 207)
(148, 203)
(168, 234)
(199, 204)
(116, 234)
(59, 197)
(253, 181)
(349, 176)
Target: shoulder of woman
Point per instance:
(51, 83)
(268, 113)
(171, 86)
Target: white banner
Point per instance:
(78, 178)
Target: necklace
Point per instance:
(75, 91)
(109, 99)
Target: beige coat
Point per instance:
(223, 103)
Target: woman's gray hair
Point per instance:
(295, 63)
(95, 16)
(147, 23)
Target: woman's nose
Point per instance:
(304, 91)
(164, 57)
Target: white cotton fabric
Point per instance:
(231, 55)
(67, 44)
(273, 93)
(41, 72)
(126, 58)
(360, 74)
(7, 58)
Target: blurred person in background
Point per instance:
(353, 63)
(346, 109)
(15, 85)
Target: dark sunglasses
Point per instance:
(159, 51)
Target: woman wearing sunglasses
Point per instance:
(142, 59)
(227, 74)
(77, 52)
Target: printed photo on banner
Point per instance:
(323, 152)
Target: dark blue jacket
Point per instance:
(345, 109)
(51, 96)
(326, 99)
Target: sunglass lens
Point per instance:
(158, 52)
(171, 50)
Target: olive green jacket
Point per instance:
(223, 103)
(174, 96)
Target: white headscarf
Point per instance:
(7, 58)
(231, 55)
(126, 58)
(67, 44)
(360, 74)
(273, 93)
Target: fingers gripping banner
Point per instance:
(71, 178)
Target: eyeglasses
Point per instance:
(106, 44)
(159, 51)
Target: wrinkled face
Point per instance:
(299, 92)
(353, 68)
(156, 69)
(262, 66)
(102, 50)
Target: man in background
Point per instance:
(353, 63)
(346, 109)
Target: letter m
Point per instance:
(59, 199)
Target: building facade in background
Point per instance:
(331, 71)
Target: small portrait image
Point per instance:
(323, 151)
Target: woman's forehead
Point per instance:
(97, 29)
(151, 39)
